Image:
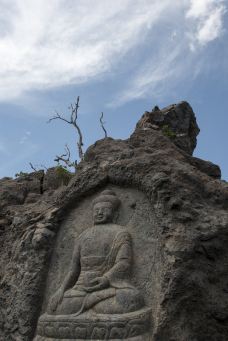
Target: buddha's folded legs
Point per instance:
(107, 301)
(76, 302)
(125, 301)
(71, 303)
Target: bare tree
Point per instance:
(102, 124)
(65, 158)
(73, 121)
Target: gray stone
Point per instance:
(176, 121)
(174, 209)
(97, 292)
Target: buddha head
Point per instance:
(104, 207)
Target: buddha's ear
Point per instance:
(115, 215)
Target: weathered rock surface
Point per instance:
(176, 121)
(189, 206)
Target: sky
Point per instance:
(122, 58)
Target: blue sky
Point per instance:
(121, 58)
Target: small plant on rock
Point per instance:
(20, 174)
(63, 174)
(167, 131)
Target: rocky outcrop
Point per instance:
(177, 121)
(190, 204)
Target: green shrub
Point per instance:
(17, 175)
(167, 131)
(63, 174)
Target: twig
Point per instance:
(66, 158)
(102, 124)
(33, 168)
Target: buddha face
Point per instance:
(102, 213)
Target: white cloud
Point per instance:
(156, 71)
(202, 8)
(46, 44)
(207, 17)
(178, 56)
(55, 43)
(211, 28)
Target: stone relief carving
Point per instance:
(97, 300)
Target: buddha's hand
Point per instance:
(98, 283)
(56, 299)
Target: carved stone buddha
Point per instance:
(97, 283)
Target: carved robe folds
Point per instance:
(111, 259)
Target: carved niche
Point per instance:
(102, 275)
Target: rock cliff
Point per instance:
(190, 204)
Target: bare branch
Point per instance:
(33, 168)
(73, 121)
(65, 158)
(102, 124)
(68, 151)
(59, 117)
(37, 168)
(74, 116)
